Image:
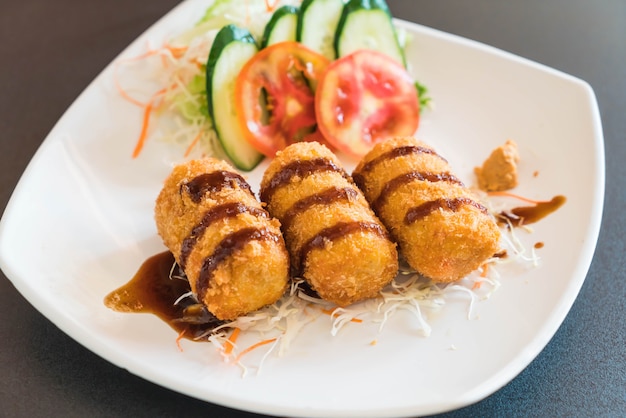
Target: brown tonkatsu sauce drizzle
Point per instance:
(328, 196)
(525, 215)
(213, 182)
(154, 289)
(403, 179)
(300, 168)
(501, 254)
(214, 214)
(334, 232)
(231, 243)
(454, 204)
(399, 152)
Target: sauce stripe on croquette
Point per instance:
(405, 178)
(396, 153)
(300, 168)
(230, 244)
(212, 215)
(419, 212)
(326, 197)
(213, 182)
(339, 230)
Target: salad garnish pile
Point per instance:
(250, 78)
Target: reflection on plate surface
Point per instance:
(80, 223)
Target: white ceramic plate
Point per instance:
(80, 223)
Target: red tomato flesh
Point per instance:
(364, 98)
(275, 96)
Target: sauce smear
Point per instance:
(153, 291)
(525, 215)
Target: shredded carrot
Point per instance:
(331, 312)
(230, 342)
(485, 270)
(147, 111)
(270, 7)
(253, 347)
(121, 90)
(127, 96)
(193, 144)
(144, 130)
(483, 274)
(176, 51)
(515, 196)
(180, 337)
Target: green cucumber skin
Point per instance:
(355, 6)
(304, 8)
(226, 35)
(244, 157)
(284, 12)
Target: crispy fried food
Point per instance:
(334, 239)
(499, 171)
(441, 229)
(231, 250)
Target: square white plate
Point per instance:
(80, 223)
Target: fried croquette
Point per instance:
(231, 250)
(335, 241)
(442, 231)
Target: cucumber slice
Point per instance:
(231, 49)
(317, 24)
(366, 24)
(281, 27)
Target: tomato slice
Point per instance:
(275, 96)
(364, 98)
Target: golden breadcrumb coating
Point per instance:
(334, 239)
(442, 230)
(231, 250)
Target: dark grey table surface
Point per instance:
(51, 50)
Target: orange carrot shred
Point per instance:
(331, 313)
(193, 143)
(515, 196)
(176, 51)
(270, 7)
(253, 347)
(127, 96)
(146, 121)
(485, 270)
(180, 337)
(144, 130)
(121, 90)
(230, 342)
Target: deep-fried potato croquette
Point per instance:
(442, 231)
(335, 241)
(229, 247)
